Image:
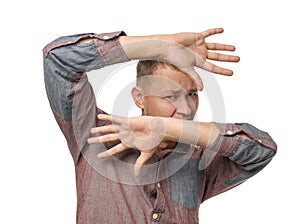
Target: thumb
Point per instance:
(194, 76)
(141, 160)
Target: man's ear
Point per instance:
(137, 95)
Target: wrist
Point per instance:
(184, 131)
(172, 129)
(190, 132)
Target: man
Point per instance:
(159, 167)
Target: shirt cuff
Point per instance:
(228, 138)
(63, 41)
(109, 48)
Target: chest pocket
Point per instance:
(185, 183)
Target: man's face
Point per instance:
(170, 93)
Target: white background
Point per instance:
(36, 171)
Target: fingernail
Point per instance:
(100, 155)
(137, 171)
(104, 154)
(100, 116)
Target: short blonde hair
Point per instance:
(148, 67)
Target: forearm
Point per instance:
(191, 132)
(243, 144)
(142, 47)
(198, 133)
(145, 47)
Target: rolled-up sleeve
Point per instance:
(66, 61)
(235, 158)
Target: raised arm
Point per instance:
(246, 146)
(66, 61)
(184, 50)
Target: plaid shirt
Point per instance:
(172, 185)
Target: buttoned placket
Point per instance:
(159, 204)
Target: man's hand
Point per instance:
(144, 133)
(196, 43)
(151, 134)
(190, 49)
(183, 50)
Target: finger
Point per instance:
(211, 32)
(112, 151)
(105, 129)
(141, 160)
(222, 57)
(105, 117)
(103, 138)
(220, 47)
(195, 76)
(216, 69)
(112, 118)
(163, 145)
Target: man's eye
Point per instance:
(171, 97)
(192, 94)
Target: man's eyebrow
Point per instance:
(177, 91)
(193, 90)
(173, 91)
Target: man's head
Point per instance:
(163, 90)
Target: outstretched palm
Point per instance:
(144, 133)
(190, 49)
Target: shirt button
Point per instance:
(105, 37)
(259, 140)
(229, 132)
(155, 216)
(158, 185)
